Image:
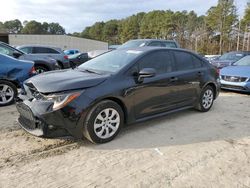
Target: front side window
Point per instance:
(159, 60)
(184, 60)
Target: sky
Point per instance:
(75, 15)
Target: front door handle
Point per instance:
(173, 79)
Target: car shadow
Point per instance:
(228, 119)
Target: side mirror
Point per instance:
(16, 54)
(146, 73)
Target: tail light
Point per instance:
(66, 57)
(32, 71)
(218, 71)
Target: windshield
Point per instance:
(133, 44)
(231, 56)
(245, 61)
(111, 61)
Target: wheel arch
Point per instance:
(120, 103)
(213, 85)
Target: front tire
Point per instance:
(206, 99)
(8, 93)
(103, 122)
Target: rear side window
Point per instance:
(161, 61)
(197, 62)
(42, 50)
(184, 60)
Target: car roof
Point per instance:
(160, 40)
(154, 48)
(38, 45)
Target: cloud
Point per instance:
(75, 15)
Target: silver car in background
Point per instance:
(47, 51)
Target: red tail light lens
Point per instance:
(32, 71)
(66, 57)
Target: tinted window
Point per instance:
(184, 60)
(42, 50)
(155, 43)
(27, 50)
(169, 44)
(197, 62)
(160, 61)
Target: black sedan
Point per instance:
(120, 87)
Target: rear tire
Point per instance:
(103, 122)
(8, 93)
(206, 99)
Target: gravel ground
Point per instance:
(186, 149)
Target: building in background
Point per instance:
(62, 41)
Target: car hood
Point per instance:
(63, 80)
(241, 71)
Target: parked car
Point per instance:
(47, 51)
(211, 58)
(236, 77)
(228, 59)
(78, 59)
(122, 86)
(149, 42)
(42, 64)
(12, 74)
(71, 52)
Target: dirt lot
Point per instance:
(186, 149)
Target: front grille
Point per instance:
(234, 78)
(26, 118)
(232, 87)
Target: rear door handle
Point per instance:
(173, 79)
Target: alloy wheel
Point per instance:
(106, 123)
(6, 94)
(207, 99)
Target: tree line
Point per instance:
(31, 27)
(218, 31)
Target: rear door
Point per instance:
(189, 75)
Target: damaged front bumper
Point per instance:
(38, 118)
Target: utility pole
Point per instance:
(238, 40)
